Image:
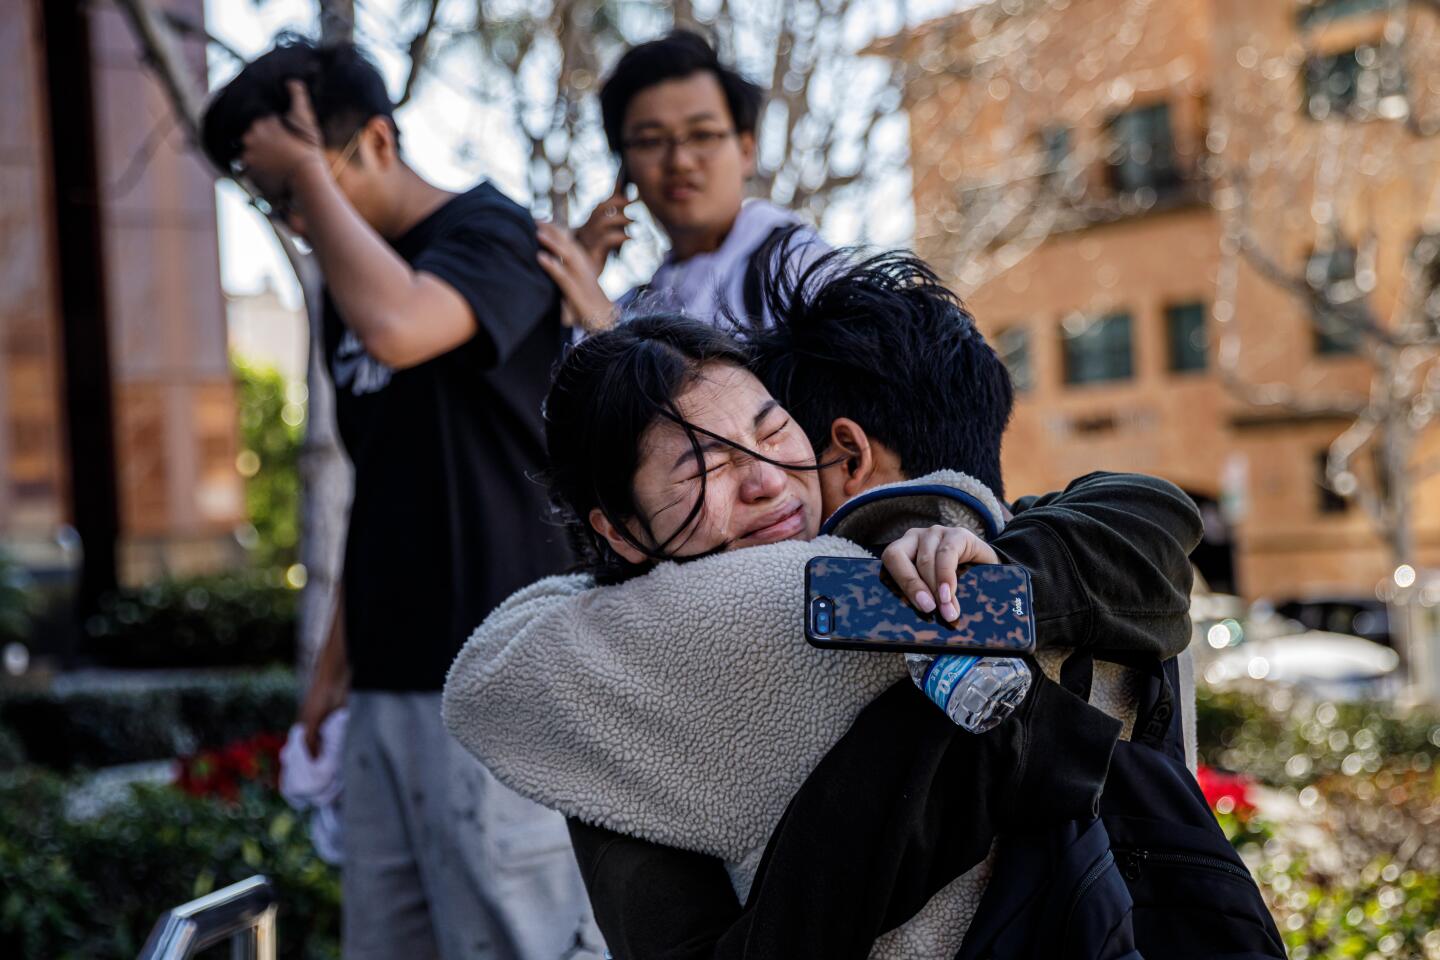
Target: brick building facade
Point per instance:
(117, 412)
(1112, 318)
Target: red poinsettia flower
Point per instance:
(221, 772)
(1225, 792)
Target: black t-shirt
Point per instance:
(449, 516)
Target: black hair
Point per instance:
(345, 89)
(678, 54)
(606, 393)
(883, 342)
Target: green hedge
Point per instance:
(18, 601)
(1353, 869)
(102, 728)
(271, 431)
(94, 888)
(230, 620)
(1281, 739)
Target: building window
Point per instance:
(1329, 501)
(1142, 151)
(1361, 84)
(1054, 144)
(1425, 258)
(1185, 326)
(1013, 348)
(1332, 273)
(1098, 350)
(1313, 12)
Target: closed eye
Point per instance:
(709, 468)
(776, 432)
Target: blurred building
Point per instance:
(266, 331)
(117, 411)
(1066, 159)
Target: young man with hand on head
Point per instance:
(440, 331)
(683, 126)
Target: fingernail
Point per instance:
(945, 593)
(924, 601)
(949, 611)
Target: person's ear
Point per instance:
(378, 144)
(746, 140)
(602, 525)
(853, 444)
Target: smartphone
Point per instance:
(852, 604)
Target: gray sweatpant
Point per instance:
(441, 860)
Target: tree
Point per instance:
(323, 469)
(1329, 162)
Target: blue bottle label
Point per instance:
(944, 674)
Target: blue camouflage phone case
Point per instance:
(852, 604)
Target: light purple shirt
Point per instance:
(709, 285)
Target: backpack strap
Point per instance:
(750, 295)
(1077, 673)
(1158, 719)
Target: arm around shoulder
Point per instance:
(1109, 556)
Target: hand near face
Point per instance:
(275, 147)
(568, 263)
(604, 232)
(926, 563)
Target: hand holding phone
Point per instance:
(852, 604)
(604, 232)
(926, 563)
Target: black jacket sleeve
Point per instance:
(902, 805)
(905, 803)
(1109, 560)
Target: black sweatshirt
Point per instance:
(849, 860)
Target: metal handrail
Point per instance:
(243, 912)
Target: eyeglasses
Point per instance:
(280, 207)
(345, 155)
(650, 148)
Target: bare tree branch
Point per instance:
(130, 176)
(161, 53)
(337, 21)
(418, 51)
(184, 26)
(1355, 316)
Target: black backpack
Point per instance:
(1151, 877)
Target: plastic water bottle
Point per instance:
(976, 692)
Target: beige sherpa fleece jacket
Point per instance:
(686, 707)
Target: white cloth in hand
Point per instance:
(314, 783)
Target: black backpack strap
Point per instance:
(750, 296)
(1173, 735)
(1158, 719)
(1077, 673)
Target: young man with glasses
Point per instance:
(440, 331)
(683, 127)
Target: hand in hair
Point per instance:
(926, 562)
(276, 147)
(569, 265)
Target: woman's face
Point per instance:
(748, 502)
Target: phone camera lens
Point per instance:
(822, 616)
